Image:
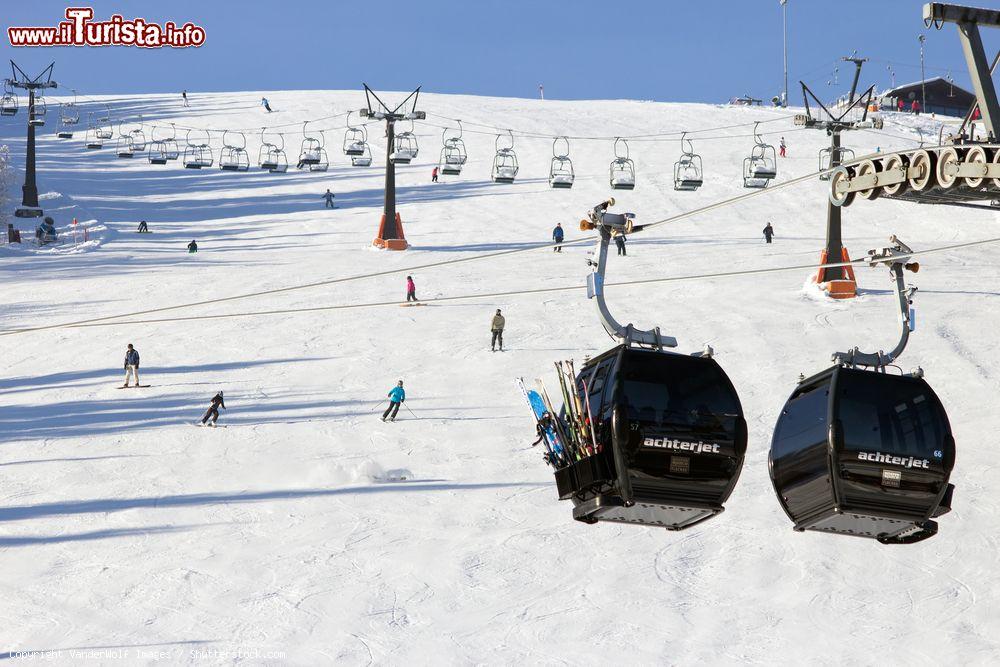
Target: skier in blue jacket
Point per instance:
(557, 236)
(396, 396)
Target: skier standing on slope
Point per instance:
(131, 365)
(557, 236)
(184, 98)
(328, 196)
(768, 232)
(434, 175)
(496, 326)
(781, 148)
(213, 409)
(143, 227)
(411, 289)
(193, 246)
(396, 397)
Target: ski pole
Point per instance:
(377, 405)
(409, 410)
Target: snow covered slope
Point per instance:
(123, 528)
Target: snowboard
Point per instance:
(538, 409)
(134, 386)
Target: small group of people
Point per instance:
(132, 372)
(914, 106)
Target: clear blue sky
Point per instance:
(698, 50)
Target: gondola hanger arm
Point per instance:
(894, 257)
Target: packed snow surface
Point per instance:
(309, 532)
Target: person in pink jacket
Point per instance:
(411, 289)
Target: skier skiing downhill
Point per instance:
(434, 175)
(328, 196)
(396, 397)
(213, 409)
(131, 365)
(768, 232)
(264, 103)
(557, 236)
(496, 327)
(781, 148)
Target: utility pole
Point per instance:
(923, 78)
(784, 48)
(390, 231)
(29, 191)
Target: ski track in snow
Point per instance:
(294, 530)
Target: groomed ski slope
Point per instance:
(124, 528)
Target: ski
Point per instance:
(590, 417)
(581, 417)
(571, 453)
(136, 386)
(554, 449)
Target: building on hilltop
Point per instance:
(942, 97)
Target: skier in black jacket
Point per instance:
(768, 232)
(213, 409)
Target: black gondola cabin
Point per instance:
(857, 452)
(671, 438)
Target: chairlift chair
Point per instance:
(104, 129)
(761, 166)
(8, 103)
(355, 139)
(826, 162)
(688, 173)
(124, 148)
(669, 428)
(561, 175)
(505, 165)
(162, 148)
(138, 139)
(405, 147)
(65, 130)
(233, 156)
(36, 112)
(69, 113)
(622, 171)
(453, 155)
(197, 151)
(312, 154)
(859, 450)
(93, 140)
(271, 156)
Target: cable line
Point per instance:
(540, 290)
